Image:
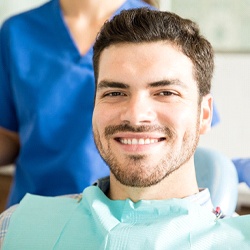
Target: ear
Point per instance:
(206, 113)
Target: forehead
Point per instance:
(145, 62)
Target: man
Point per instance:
(153, 75)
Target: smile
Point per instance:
(139, 141)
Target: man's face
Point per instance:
(147, 117)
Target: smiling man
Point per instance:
(152, 103)
(153, 74)
(152, 114)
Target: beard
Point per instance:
(138, 170)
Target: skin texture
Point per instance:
(147, 120)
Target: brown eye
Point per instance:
(166, 93)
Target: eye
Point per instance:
(114, 93)
(166, 93)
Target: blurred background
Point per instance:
(226, 25)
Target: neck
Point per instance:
(179, 184)
(90, 8)
(84, 18)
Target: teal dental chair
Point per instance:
(217, 173)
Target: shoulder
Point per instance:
(135, 4)
(25, 17)
(138, 4)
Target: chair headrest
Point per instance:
(217, 172)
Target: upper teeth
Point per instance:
(138, 141)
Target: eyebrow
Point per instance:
(108, 84)
(164, 83)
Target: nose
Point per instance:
(138, 110)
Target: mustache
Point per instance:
(111, 130)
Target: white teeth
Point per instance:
(140, 141)
(134, 141)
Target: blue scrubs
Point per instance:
(47, 94)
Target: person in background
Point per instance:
(153, 74)
(46, 95)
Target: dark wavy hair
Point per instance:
(145, 25)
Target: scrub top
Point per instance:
(47, 96)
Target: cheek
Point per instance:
(179, 117)
(102, 117)
(188, 116)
